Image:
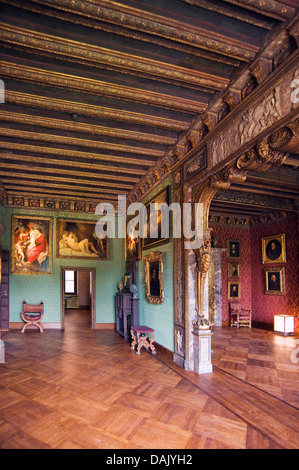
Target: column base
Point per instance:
(202, 351)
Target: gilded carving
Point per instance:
(286, 139)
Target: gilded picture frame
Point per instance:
(154, 283)
(31, 245)
(132, 244)
(77, 239)
(233, 249)
(148, 242)
(234, 290)
(275, 281)
(233, 270)
(274, 249)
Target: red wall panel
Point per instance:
(252, 276)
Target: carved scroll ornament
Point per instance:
(261, 157)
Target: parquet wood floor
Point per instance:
(85, 389)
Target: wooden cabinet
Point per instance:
(126, 312)
(4, 291)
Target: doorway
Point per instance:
(77, 286)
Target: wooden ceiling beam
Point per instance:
(162, 26)
(87, 54)
(99, 112)
(91, 144)
(79, 127)
(58, 162)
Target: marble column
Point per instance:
(215, 287)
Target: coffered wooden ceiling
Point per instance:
(97, 92)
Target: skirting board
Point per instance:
(57, 326)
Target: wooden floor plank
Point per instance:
(86, 389)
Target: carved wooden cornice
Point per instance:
(34, 101)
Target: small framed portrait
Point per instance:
(273, 249)
(233, 270)
(132, 243)
(275, 281)
(154, 290)
(233, 249)
(234, 290)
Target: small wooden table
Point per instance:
(144, 337)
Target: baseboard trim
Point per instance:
(105, 326)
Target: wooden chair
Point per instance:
(32, 314)
(239, 316)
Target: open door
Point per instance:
(78, 289)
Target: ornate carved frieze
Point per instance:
(195, 164)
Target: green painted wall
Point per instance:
(34, 288)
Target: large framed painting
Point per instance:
(148, 241)
(132, 243)
(275, 281)
(154, 289)
(273, 249)
(77, 239)
(31, 245)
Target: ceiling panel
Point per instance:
(98, 92)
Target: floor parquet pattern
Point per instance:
(85, 389)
